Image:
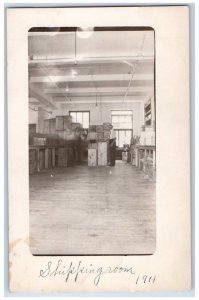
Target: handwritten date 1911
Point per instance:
(145, 279)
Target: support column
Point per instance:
(46, 158)
(42, 115)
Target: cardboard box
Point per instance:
(63, 122)
(100, 136)
(102, 153)
(107, 126)
(99, 128)
(92, 157)
(92, 128)
(75, 126)
(92, 146)
(92, 136)
(107, 134)
(39, 141)
(32, 128)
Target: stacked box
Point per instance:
(68, 135)
(52, 140)
(63, 122)
(99, 132)
(59, 123)
(92, 157)
(107, 126)
(99, 128)
(100, 136)
(92, 146)
(39, 141)
(32, 128)
(49, 126)
(102, 153)
(92, 136)
(67, 122)
(92, 128)
(75, 126)
(107, 135)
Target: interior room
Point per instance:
(92, 144)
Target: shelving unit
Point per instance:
(145, 159)
(147, 113)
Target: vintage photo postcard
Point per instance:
(98, 143)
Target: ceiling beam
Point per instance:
(101, 69)
(102, 101)
(83, 78)
(38, 95)
(105, 99)
(144, 89)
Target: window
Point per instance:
(82, 117)
(122, 121)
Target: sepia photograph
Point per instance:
(92, 140)
(99, 150)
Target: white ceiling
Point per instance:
(110, 65)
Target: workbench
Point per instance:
(42, 157)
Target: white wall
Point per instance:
(102, 112)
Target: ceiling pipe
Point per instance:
(136, 64)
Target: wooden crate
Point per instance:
(68, 135)
(100, 136)
(75, 126)
(92, 146)
(32, 128)
(62, 157)
(39, 141)
(102, 154)
(107, 126)
(92, 128)
(99, 128)
(107, 134)
(67, 122)
(49, 126)
(92, 136)
(59, 123)
(63, 122)
(92, 157)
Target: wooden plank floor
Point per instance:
(92, 210)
